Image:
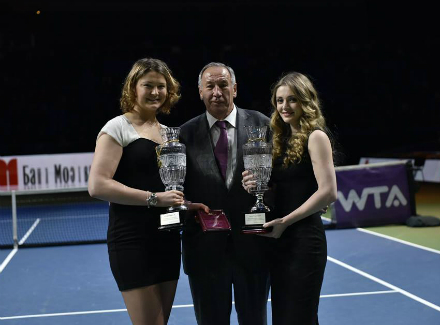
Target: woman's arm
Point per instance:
(320, 152)
(101, 185)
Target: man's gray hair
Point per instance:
(217, 64)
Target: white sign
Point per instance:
(169, 218)
(43, 172)
(254, 219)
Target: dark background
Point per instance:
(375, 65)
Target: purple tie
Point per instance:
(221, 148)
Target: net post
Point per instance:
(14, 219)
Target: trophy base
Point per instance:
(254, 222)
(175, 227)
(255, 229)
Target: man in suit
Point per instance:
(217, 262)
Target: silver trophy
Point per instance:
(171, 158)
(257, 155)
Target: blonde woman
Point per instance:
(304, 183)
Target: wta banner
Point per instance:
(45, 172)
(372, 195)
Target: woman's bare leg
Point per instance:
(144, 305)
(168, 292)
(150, 305)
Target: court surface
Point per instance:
(370, 279)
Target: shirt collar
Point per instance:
(231, 118)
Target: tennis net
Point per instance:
(51, 217)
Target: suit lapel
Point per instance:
(241, 140)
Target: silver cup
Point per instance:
(257, 155)
(171, 157)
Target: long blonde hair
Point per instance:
(294, 145)
(141, 68)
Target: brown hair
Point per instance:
(141, 68)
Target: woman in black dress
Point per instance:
(304, 183)
(145, 262)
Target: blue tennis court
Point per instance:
(369, 279)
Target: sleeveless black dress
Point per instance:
(140, 255)
(299, 256)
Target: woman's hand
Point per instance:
(169, 198)
(279, 225)
(247, 182)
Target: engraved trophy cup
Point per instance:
(257, 155)
(171, 158)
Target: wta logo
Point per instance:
(8, 173)
(393, 197)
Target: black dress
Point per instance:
(299, 256)
(140, 255)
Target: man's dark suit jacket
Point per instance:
(204, 252)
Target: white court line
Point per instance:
(22, 240)
(88, 216)
(358, 294)
(399, 240)
(175, 306)
(29, 232)
(66, 314)
(384, 283)
(8, 259)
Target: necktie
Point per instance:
(221, 148)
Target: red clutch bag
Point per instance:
(215, 220)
